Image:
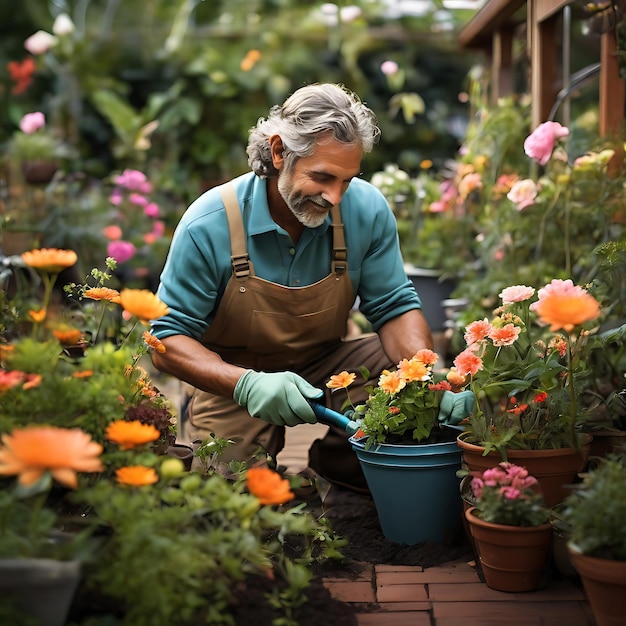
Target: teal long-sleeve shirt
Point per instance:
(198, 264)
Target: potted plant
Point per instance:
(408, 457)
(595, 514)
(510, 527)
(36, 151)
(427, 229)
(524, 366)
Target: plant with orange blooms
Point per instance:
(528, 366)
(404, 405)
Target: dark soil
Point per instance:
(354, 519)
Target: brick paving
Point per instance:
(447, 595)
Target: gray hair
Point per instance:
(305, 115)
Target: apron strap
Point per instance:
(340, 252)
(242, 266)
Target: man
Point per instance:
(262, 274)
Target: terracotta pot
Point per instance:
(607, 442)
(604, 582)
(554, 469)
(512, 558)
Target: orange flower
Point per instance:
(454, 377)
(30, 452)
(250, 60)
(37, 316)
(505, 336)
(468, 363)
(50, 260)
(68, 337)
(32, 381)
(477, 331)
(426, 356)
(391, 382)
(10, 379)
(129, 434)
(142, 303)
(341, 380)
(22, 74)
(268, 486)
(153, 342)
(103, 293)
(136, 475)
(412, 370)
(567, 310)
(83, 374)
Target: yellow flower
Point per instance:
(37, 316)
(136, 475)
(341, 380)
(268, 486)
(50, 260)
(30, 452)
(142, 303)
(129, 434)
(391, 382)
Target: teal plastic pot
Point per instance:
(415, 489)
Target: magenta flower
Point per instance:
(151, 209)
(121, 251)
(137, 199)
(540, 143)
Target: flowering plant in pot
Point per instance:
(406, 454)
(524, 365)
(510, 527)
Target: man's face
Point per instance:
(316, 183)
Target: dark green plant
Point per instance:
(596, 511)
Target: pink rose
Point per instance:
(523, 193)
(540, 143)
(32, 122)
(121, 251)
(516, 293)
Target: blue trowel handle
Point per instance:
(333, 418)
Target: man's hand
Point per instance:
(280, 398)
(455, 407)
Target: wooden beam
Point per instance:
(612, 88)
(543, 63)
(477, 32)
(502, 64)
(547, 8)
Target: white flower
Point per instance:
(349, 14)
(40, 42)
(63, 25)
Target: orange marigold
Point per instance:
(136, 475)
(153, 342)
(37, 316)
(391, 382)
(129, 434)
(103, 293)
(411, 370)
(341, 381)
(30, 452)
(268, 486)
(143, 304)
(426, 356)
(50, 260)
(68, 337)
(567, 310)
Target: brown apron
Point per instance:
(270, 327)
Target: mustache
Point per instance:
(321, 202)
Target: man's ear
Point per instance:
(276, 150)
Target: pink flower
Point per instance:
(516, 293)
(540, 143)
(510, 493)
(121, 251)
(137, 199)
(116, 197)
(32, 122)
(389, 68)
(469, 183)
(134, 180)
(158, 228)
(40, 42)
(151, 209)
(523, 193)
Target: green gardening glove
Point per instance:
(455, 407)
(280, 398)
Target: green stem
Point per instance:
(572, 395)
